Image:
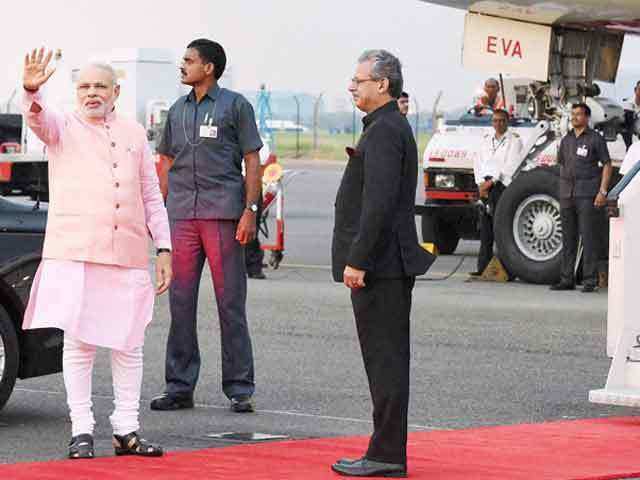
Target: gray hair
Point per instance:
(385, 65)
(104, 67)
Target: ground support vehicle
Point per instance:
(562, 59)
(20, 177)
(528, 230)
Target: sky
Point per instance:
(306, 46)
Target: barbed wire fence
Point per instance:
(314, 126)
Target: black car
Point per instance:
(23, 354)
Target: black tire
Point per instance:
(442, 234)
(9, 356)
(535, 256)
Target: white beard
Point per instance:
(97, 112)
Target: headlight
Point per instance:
(444, 180)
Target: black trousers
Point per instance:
(382, 311)
(253, 254)
(580, 218)
(486, 226)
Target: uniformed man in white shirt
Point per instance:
(493, 170)
(631, 112)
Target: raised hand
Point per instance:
(35, 69)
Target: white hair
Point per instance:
(105, 67)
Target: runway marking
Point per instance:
(433, 276)
(308, 267)
(272, 412)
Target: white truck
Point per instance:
(528, 230)
(564, 48)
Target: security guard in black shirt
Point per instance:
(585, 173)
(212, 208)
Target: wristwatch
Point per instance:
(253, 207)
(163, 250)
(603, 192)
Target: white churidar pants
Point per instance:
(126, 369)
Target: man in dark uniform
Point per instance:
(585, 173)
(212, 212)
(403, 104)
(375, 253)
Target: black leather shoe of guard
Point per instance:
(242, 404)
(168, 401)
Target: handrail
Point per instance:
(615, 192)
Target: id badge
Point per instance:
(582, 151)
(208, 131)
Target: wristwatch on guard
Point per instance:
(252, 207)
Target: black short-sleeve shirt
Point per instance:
(581, 160)
(205, 181)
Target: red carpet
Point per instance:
(602, 449)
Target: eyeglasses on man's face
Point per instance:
(357, 81)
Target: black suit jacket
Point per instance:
(375, 227)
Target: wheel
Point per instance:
(442, 234)
(9, 357)
(528, 230)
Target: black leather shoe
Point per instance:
(588, 288)
(562, 286)
(242, 404)
(475, 274)
(257, 276)
(168, 401)
(364, 467)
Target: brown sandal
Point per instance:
(132, 444)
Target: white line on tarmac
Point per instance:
(433, 276)
(218, 407)
(309, 267)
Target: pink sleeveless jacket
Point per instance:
(105, 201)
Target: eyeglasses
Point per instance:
(357, 81)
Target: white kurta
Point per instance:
(103, 305)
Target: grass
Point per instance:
(330, 147)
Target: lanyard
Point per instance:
(211, 120)
(494, 147)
